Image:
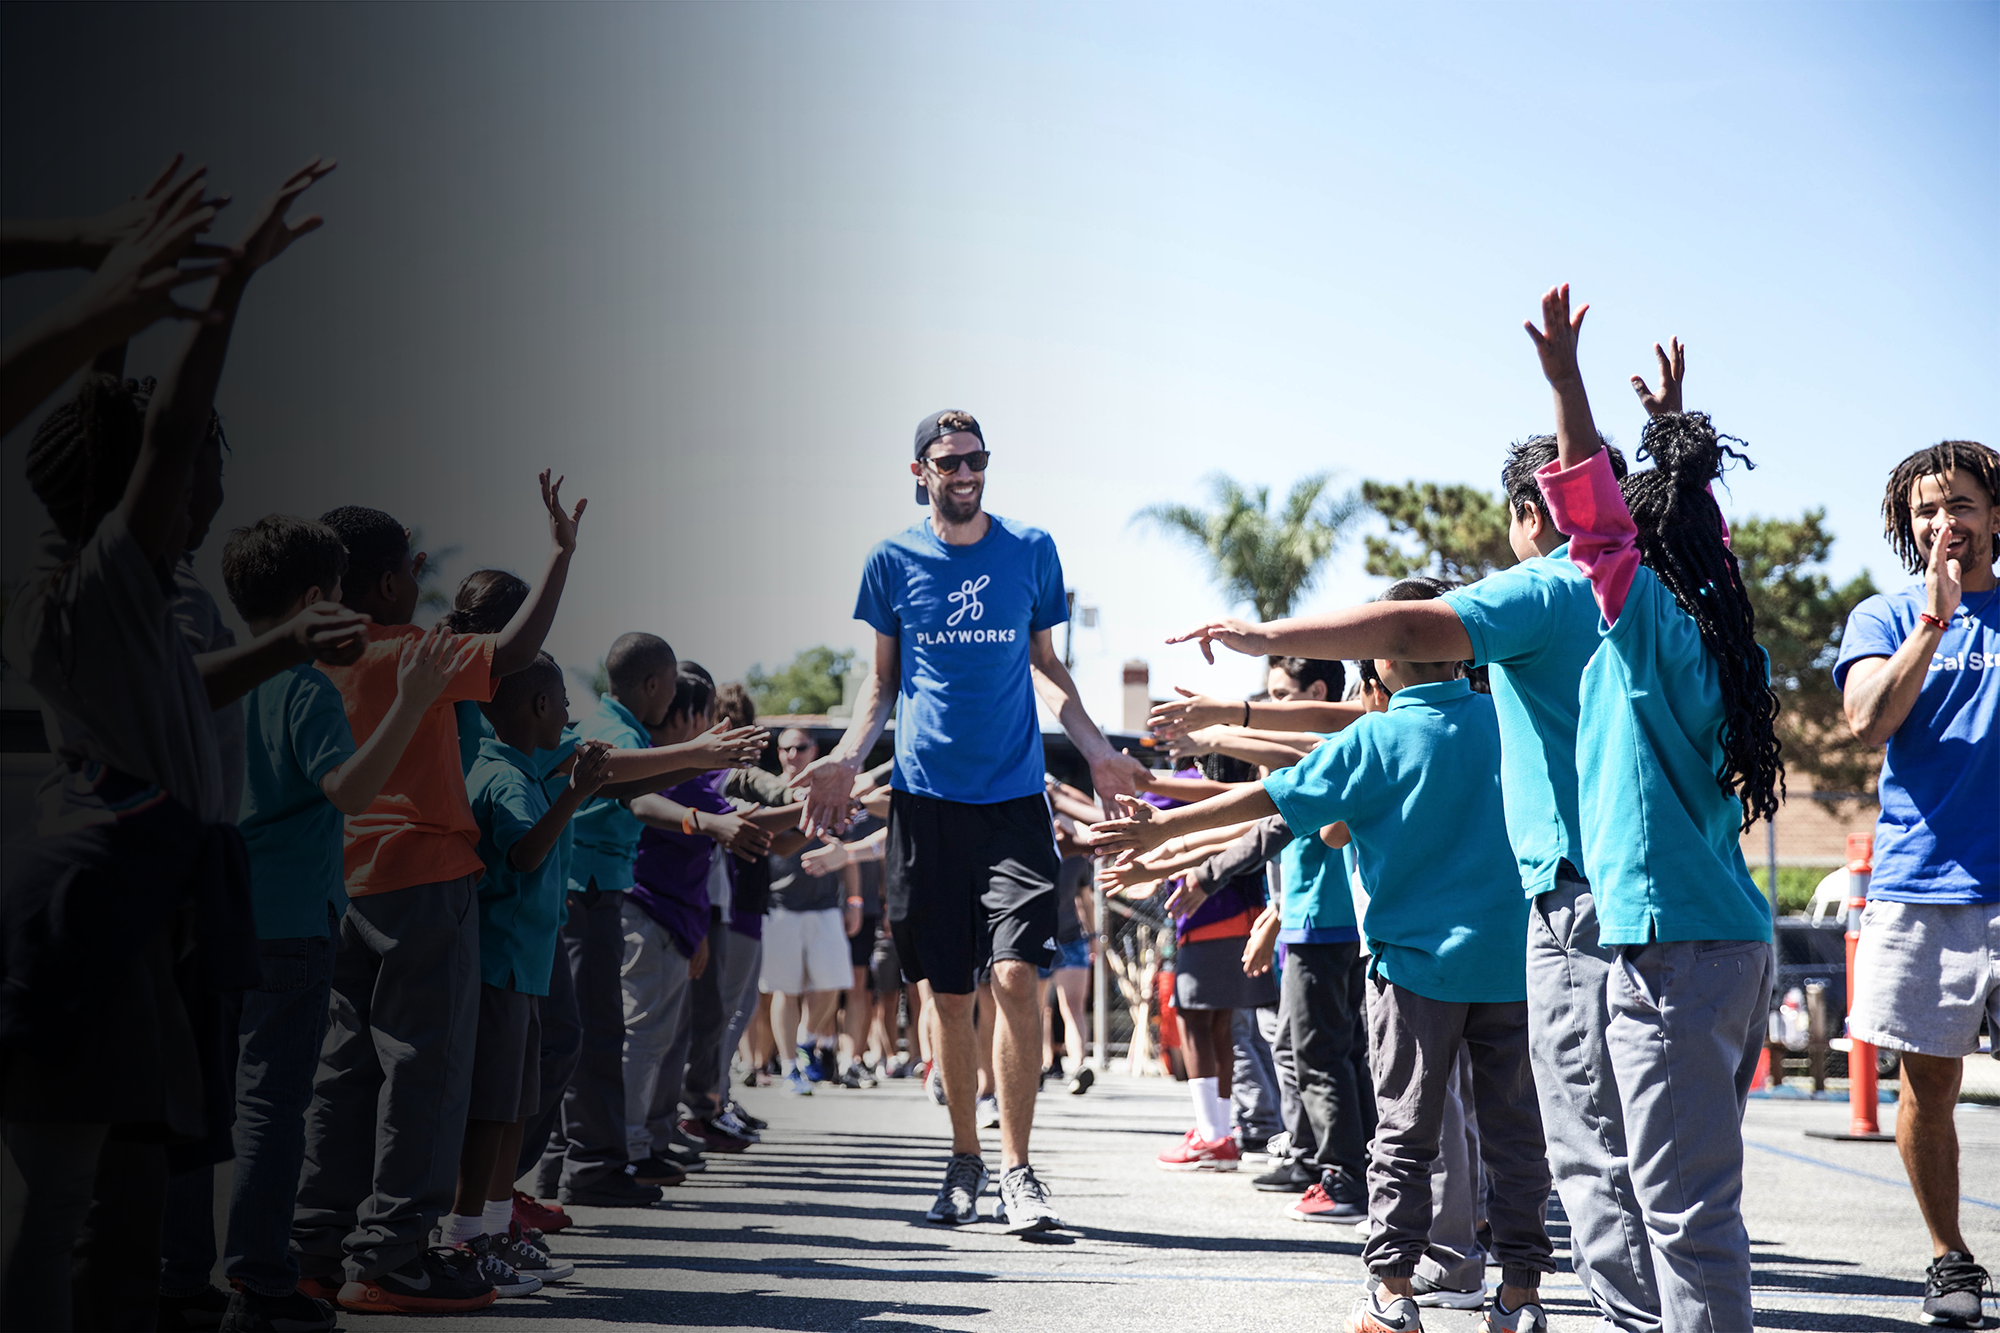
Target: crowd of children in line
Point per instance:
(357, 907)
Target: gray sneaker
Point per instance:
(958, 1200)
(1024, 1203)
(531, 1260)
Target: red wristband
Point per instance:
(1930, 619)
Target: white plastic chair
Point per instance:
(1829, 895)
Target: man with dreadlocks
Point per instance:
(1675, 756)
(1918, 671)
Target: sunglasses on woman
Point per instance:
(948, 465)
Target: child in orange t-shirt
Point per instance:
(389, 1104)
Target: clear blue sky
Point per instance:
(714, 261)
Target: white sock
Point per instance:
(1205, 1101)
(499, 1215)
(1221, 1111)
(459, 1229)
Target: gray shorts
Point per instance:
(1925, 974)
(507, 1058)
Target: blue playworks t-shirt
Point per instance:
(605, 834)
(1535, 626)
(1660, 837)
(962, 615)
(295, 733)
(520, 912)
(1938, 838)
(1419, 789)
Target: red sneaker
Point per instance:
(532, 1212)
(1316, 1205)
(1193, 1153)
(323, 1288)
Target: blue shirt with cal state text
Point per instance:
(966, 728)
(1938, 837)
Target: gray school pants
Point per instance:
(1253, 1084)
(1275, 1026)
(708, 1019)
(1453, 1258)
(1687, 1022)
(562, 1047)
(387, 1118)
(588, 1145)
(1413, 1049)
(655, 984)
(1323, 990)
(1582, 1117)
(743, 958)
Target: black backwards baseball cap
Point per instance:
(932, 429)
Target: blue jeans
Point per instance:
(284, 1022)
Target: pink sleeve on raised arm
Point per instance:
(1585, 502)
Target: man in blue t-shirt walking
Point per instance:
(1920, 671)
(962, 606)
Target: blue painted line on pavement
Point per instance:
(1895, 1181)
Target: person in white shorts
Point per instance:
(805, 944)
(1919, 669)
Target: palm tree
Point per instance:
(1268, 560)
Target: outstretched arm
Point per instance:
(1555, 343)
(1192, 711)
(1111, 773)
(829, 782)
(518, 643)
(1142, 828)
(1401, 631)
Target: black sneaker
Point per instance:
(1953, 1289)
(658, 1170)
(1286, 1178)
(958, 1200)
(295, 1313)
(1080, 1082)
(619, 1191)
(487, 1253)
(203, 1310)
(438, 1281)
(747, 1118)
(687, 1159)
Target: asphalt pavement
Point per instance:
(821, 1227)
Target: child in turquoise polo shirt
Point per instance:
(302, 773)
(1418, 787)
(520, 910)
(1674, 740)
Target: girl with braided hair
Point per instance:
(1675, 757)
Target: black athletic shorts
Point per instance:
(861, 944)
(968, 884)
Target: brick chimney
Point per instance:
(1138, 694)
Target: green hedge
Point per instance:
(1795, 885)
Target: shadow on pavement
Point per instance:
(745, 1309)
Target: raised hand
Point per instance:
(828, 860)
(1136, 830)
(134, 284)
(725, 747)
(592, 767)
(1119, 775)
(1555, 341)
(1186, 899)
(738, 834)
(268, 234)
(562, 526)
(1673, 369)
(1942, 589)
(1126, 874)
(828, 785)
(1177, 717)
(1239, 636)
(430, 661)
(330, 633)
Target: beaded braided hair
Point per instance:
(1681, 539)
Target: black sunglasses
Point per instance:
(948, 465)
